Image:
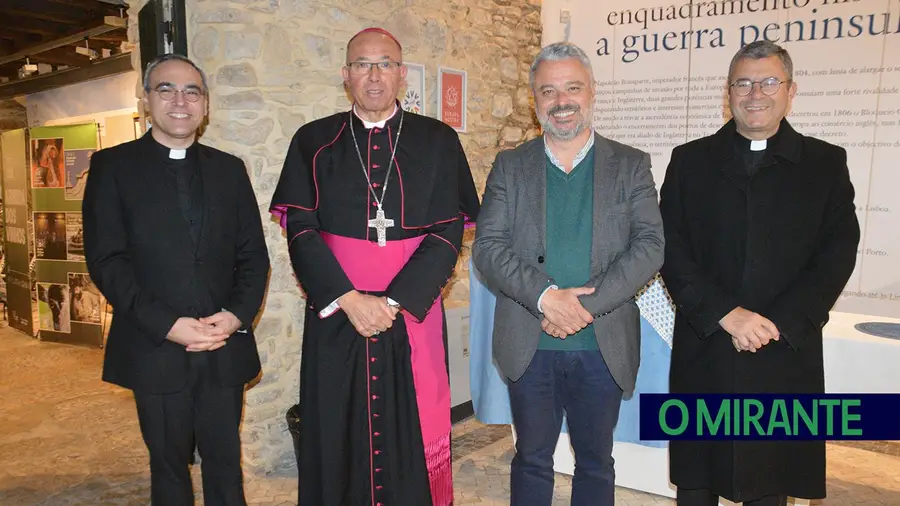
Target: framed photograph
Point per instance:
(87, 302)
(74, 237)
(78, 162)
(452, 100)
(54, 312)
(47, 163)
(414, 98)
(50, 232)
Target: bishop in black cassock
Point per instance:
(375, 411)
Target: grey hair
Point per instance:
(159, 60)
(561, 51)
(759, 50)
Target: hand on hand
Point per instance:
(563, 309)
(196, 335)
(370, 315)
(749, 331)
(553, 330)
(223, 322)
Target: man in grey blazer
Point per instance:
(569, 232)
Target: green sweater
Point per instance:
(570, 208)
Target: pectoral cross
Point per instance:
(381, 224)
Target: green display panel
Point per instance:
(17, 237)
(69, 305)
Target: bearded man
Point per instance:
(568, 233)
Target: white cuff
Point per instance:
(554, 287)
(333, 307)
(328, 311)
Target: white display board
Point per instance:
(661, 70)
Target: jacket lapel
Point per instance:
(534, 172)
(605, 198)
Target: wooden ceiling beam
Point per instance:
(48, 29)
(94, 5)
(101, 68)
(42, 9)
(65, 55)
(45, 16)
(109, 24)
(112, 37)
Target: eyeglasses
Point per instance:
(769, 86)
(364, 67)
(168, 94)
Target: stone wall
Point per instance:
(274, 65)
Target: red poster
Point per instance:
(453, 98)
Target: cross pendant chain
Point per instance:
(381, 224)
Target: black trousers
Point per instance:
(706, 498)
(202, 413)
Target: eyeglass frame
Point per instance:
(753, 84)
(392, 66)
(184, 92)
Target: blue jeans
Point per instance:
(579, 384)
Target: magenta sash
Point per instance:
(372, 268)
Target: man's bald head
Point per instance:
(368, 35)
(373, 73)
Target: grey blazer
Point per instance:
(626, 252)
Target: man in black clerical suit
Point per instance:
(761, 235)
(173, 239)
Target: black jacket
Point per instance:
(141, 256)
(782, 243)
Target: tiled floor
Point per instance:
(67, 439)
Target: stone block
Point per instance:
(248, 135)
(205, 44)
(276, 47)
(524, 97)
(224, 15)
(298, 8)
(241, 75)
(511, 134)
(509, 68)
(290, 122)
(243, 45)
(251, 99)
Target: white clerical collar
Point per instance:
(758, 145)
(177, 154)
(380, 124)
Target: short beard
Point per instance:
(556, 133)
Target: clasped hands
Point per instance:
(204, 334)
(749, 331)
(563, 313)
(369, 315)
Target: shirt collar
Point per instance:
(166, 153)
(380, 124)
(578, 158)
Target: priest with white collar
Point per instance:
(761, 237)
(173, 239)
(374, 201)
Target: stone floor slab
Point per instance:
(68, 439)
